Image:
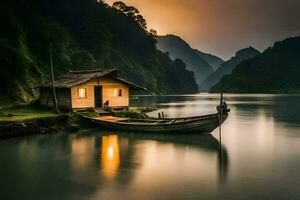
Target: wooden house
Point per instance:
(89, 89)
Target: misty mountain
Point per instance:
(227, 67)
(178, 48)
(212, 60)
(276, 70)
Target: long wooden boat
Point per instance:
(200, 124)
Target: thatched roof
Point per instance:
(74, 78)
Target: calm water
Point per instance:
(259, 156)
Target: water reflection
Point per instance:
(223, 164)
(258, 155)
(123, 151)
(110, 155)
(82, 149)
(191, 105)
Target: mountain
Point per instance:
(276, 70)
(227, 67)
(82, 34)
(212, 60)
(179, 49)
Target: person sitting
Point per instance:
(223, 107)
(106, 104)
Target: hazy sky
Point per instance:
(222, 27)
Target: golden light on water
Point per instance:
(82, 152)
(110, 155)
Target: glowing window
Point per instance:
(117, 92)
(82, 93)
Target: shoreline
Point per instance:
(49, 125)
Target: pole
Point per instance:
(221, 99)
(55, 104)
(220, 120)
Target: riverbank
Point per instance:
(48, 125)
(24, 120)
(21, 112)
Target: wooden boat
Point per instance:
(200, 124)
(206, 123)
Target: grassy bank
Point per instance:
(24, 112)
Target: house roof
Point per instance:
(74, 78)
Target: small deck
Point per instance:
(110, 118)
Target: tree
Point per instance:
(153, 32)
(141, 21)
(132, 12)
(119, 5)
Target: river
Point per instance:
(259, 157)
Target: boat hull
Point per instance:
(202, 124)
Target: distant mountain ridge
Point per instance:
(212, 60)
(180, 49)
(276, 70)
(227, 67)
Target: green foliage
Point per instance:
(17, 63)
(135, 114)
(277, 70)
(132, 12)
(86, 35)
(227, 67)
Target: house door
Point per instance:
(98, 96)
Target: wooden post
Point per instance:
(55, 104)
(221, 99)
(220, 119)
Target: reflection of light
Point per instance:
(110, 155)
(110, 152)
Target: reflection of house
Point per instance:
(89, 89)
(82, 152)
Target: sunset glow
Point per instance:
(222, 27)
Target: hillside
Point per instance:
(178, 48)
(85, 35)
(276, 70)
(227, 67)
(214, 61)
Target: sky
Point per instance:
(222, 27)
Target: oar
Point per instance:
(220, 118)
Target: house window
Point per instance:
(82, 93)
(117, 92)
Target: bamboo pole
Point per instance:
(55, 104)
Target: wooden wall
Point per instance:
(108, 87)
(63, 97)
(87, 102)
(108, 93)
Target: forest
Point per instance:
(82, 34)
(276, 70)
